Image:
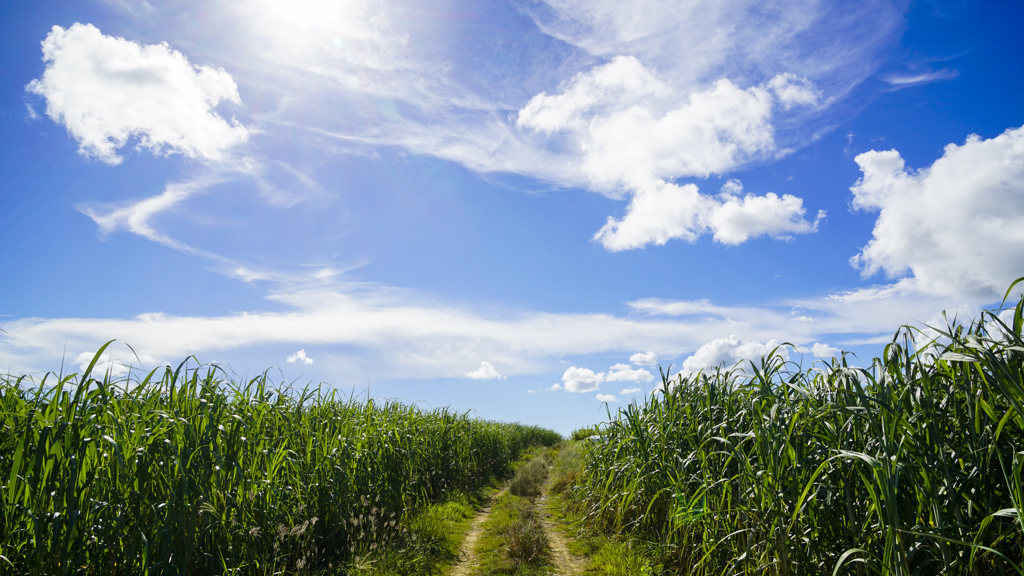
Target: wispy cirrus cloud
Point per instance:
(906, 80)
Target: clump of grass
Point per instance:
(530, 478)
(567, 466)
(184, 471)
(514, 542)
(585, 432)
(911, 466)
(424, 541)
(526, 542)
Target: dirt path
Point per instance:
(565, 563)
(467, 554)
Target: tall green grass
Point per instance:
(909, 467)
(187, 472)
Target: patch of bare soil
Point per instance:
(565, 563)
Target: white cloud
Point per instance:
(105, 365)
(914, 79)
(625, 373)
(115, 361)
(633, 390)
(820, 350)
(136, 217)
(606, 398)
(107, 90)
(300, 358)
(644, 358)
(792, 90)
(694, 39)
(416, 336)
(635, 138)
(663, 211)
(738, 219)
(954, 229)
(485, 372)
(581, 380)
(631, 129)
(729, 351)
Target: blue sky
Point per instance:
(518, 208)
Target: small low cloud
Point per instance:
(300, 358)
(634, 390)
(114, 362)
(644, 358)
(728, 351)
(606, 398)
(820, 350)
(580, 380)
(625, 373)
(485, 372)
(104, 365)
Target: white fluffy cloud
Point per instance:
(485, 372)
(629, 125)
(300, 358)
(644, 358)
(104, 365)
(107, 90)
(728, 351)
(631, 390)
(820, 350)
(115, 361)
(625, 373)
(581, 380)
(955, 228)
(737, 219)
(606, 398)
(663, 211)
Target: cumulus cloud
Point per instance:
(626, 120)
(635, 138)
(737, 219)
(606, 398)
(485, 372)
(106, 90)
(644, 358)
(300, 358)
(632, 390)
(820, 350)
(105, 365)
(665, 211)
(952, 229)
(625, 373)
(114, 362)
(728, 351)
(581, 380)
